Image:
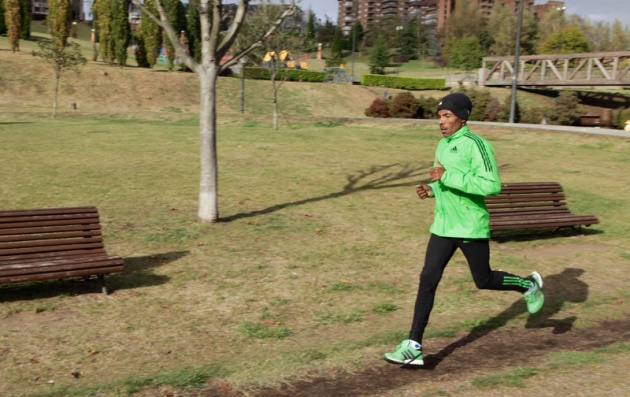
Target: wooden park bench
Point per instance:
(53, 243)
(533, 205)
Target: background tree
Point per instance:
(58, 52)
(176, 13)
(466, 53)
(62, 59)
(465, 21)
(326, 31)
(104, 12)
(282, 47)
(13, 20)
(59, 22)
(96, 38)
(568, 40)
(194, 33)
(140, 50)
(121, 30)
(3, 25)
(151, 33)
(620, 40)
(428, 41)
(408, 40)
(25, 10)
(215, 44)
(597, 34)
(310, 36)
(379, 56)
(356, 34)
(336, 50)
(553, 21)
(502, 23)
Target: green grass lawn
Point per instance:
(314, 265)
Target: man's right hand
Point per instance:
(424, 191)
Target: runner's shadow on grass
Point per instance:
(375, 178)
(558, 288)
(138, 273)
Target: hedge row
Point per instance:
(286, 74)
(404, 83)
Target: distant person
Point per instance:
(463, 173)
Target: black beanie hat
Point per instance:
(457, 103)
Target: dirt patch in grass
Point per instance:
(451, 362)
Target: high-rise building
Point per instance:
(430, 12)
(540, 10)
(376, 11)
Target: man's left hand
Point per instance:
(436, 172)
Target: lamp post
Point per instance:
(243, 61)
(517, 48)
(398, 29)
(94, 49)
(561, 11)
(354, 34)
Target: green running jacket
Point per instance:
(471, 173)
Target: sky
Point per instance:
(594, 10)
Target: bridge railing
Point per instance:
(588, 69)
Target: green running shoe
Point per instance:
(535, 297)
(407, 353)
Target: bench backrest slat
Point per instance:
(43, 256)
(522, 205)
(21, 233)
(49, 232)
(10, 223)
(49, 245)
(511, 197)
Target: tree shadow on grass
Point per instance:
(138, 273)
(375, 178)
(558, 288)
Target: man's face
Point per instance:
(449, 122)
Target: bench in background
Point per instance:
(53, 243)
(533, 205)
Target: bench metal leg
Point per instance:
(101, 277)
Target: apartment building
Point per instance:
(39, 9)
(430, 12)
(375, 11)
(541, 10)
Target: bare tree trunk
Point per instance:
(214, 46)
(208, 185)
(56, 94)
(276, 126)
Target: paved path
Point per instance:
(564, 128)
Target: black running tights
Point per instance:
(439, 251)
